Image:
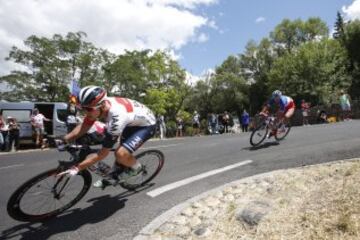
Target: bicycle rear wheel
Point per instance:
(282, 131)
(152, 162)
(45, 195)
(259, 134)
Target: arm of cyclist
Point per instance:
(79, 130)
(265, 111)
(92, 159)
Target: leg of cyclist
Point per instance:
(132, 139)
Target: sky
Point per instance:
(200, 34)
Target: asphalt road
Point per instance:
(102, 214)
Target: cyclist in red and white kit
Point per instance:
(125, 118)
(285, 107)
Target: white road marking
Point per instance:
(186, 181)
(12, 166)
(160, 146)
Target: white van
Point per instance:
(56, 111)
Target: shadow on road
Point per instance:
(102, 208)
(265, 145)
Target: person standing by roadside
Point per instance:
(305, 107)
(345, 105)
(226, 120)
(213, 122)
(162, 126)
(245, 120)
(14, 133)
(37, 121)
(2, 136)
(179, 127)
(72, 120)
(196, 123)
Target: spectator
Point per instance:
(37, 121)
(345, 105)
(162, 126)
(196, 123)
(245, 120)
(14, 133)
(179, 127)
(213, 123)
(226, 120)
(72, 120)
(305, 107)
(2, 138)
(322, 116)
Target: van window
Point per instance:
(20, 115)
(62, 114)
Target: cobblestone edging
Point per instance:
(198, 217)
(194, 217)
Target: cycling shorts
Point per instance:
(289, 106)
(134, 137)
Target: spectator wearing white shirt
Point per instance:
(37, 121)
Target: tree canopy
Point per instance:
(298, 57)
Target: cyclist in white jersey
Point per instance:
(125, 118)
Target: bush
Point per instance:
(189, 131)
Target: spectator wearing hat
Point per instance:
(14, 133)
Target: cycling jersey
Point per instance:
(123, 114)
(285, 103)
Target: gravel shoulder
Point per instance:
(311, 202)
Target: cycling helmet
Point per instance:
(91, 96)
(276, 93)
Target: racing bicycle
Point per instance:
(267, 127)
(48, 195)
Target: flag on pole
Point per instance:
(75, 89)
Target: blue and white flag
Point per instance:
(75, 89)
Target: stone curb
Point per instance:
(158, 221)
(149, 229)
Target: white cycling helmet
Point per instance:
(91, 96)
(276, 93)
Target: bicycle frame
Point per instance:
(78, 154)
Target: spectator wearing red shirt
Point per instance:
(305, 108)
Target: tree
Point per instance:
(352, 36)
(50, 64)
(316, 72)
(339, 32)
(291, 34)
(256, 63)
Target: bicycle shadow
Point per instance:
(262, 146)
(100, 209)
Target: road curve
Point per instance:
(103, 214)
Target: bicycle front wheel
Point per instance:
(152, 161)
(46, 195)
(259, 134)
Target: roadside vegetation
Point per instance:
(315, 202)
